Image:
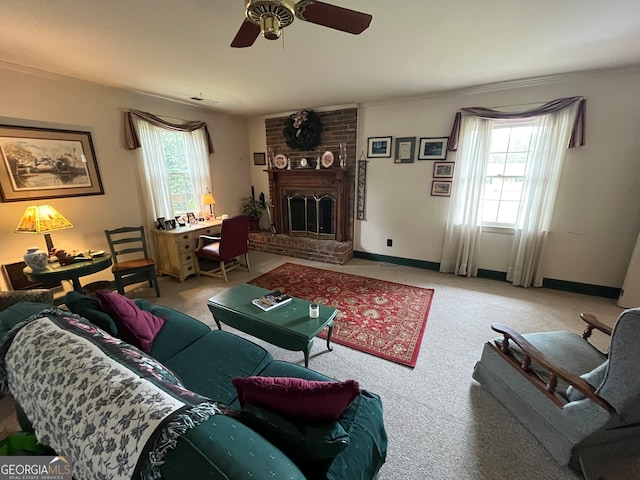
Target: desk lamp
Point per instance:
(42, 219)
(207, 199)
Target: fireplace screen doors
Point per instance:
(311, 216)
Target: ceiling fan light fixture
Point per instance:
(271, 16)
(270, 26)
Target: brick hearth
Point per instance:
(327, 251)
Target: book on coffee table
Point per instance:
(271, 300)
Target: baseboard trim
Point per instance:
(584, 288)
(492, 274)
(550, 283)
(407, 262)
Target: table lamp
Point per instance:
(207, 199)
(42, 219)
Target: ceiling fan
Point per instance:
(269, 17)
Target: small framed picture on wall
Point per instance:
(443, 169)
(404, 150)
(433, 148)
(379, 147)
(260, 158)
(441, 188)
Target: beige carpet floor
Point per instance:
(441, 423)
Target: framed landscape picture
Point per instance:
(379, 147)
(39, 163)
(441, 188)
(443, 169)
(433, 148)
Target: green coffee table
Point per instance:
(288, 326)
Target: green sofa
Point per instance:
(226, 447)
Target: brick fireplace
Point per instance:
(331, 188)
(312, 209)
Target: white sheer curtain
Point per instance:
(464, 224)
(154, 178)
(198, 164)
(542, 178)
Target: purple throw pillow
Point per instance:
(137, 327)
(295, 397)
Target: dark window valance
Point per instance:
(577, 132)
(131, 136)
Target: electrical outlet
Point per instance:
(389, 242)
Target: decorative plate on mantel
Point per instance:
(327, 159)
(280, 161)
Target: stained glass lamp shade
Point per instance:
(42, 219)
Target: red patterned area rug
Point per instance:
(382, 318)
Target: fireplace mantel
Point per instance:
(329, 181)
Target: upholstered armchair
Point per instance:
(11, 314)
(582, 404)
(8, 299)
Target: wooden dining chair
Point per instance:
(131, 262)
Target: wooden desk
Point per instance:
(175, 248)
(56, 272)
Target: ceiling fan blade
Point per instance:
(246, 36)
(332, 16)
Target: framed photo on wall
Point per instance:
(260, 158)
(40, 163)
(443, 169)
(433, 148)
(441, 188)
(379, 147)
(404, 150)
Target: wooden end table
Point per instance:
(288, 326)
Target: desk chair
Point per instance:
(131, 262)
(17, 281)
(224, 249)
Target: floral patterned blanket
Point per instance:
(106, 406)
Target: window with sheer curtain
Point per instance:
(174, 169)
(509, 152)
(507, 175)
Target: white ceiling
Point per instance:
(180, 48)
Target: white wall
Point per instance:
(259, 178)
(596, 221)
(35, 99)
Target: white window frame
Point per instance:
(507, 227)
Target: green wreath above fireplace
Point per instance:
(302, 130)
